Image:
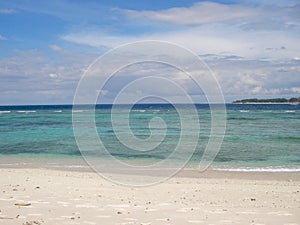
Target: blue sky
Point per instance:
(45, 46)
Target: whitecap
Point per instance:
(138, 110)
(7, 111)
(260, 169)
(26, 111)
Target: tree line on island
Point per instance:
(271, 100)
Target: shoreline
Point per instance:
(78, 164)
(184, 173)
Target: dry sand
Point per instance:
(43, 196)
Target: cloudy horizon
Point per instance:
(251, 46)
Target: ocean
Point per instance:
(259, 137)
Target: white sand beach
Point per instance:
(43, 196)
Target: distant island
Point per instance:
(268, 101)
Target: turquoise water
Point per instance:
(258, 137)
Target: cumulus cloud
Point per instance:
(256, 78)
(252, 47)
(30, 77)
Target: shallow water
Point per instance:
(258, 137)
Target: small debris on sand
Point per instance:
(22, 204)
(32, 223)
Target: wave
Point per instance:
(243, 111)
(290, 111)
(5, 111)
(69, 166)
(26, 111)
(138, 110)
(77, 111)
(260, 169)
(58, 111)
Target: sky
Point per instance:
(252, 46)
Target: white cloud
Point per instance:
(296, 89)
(2, 38)
(30, 74)
(256, 90)
(247, 16)
(53, 75)
(256, 78)
(253, 50)
(7, 11)
(199, 13)
(206, 40)
(245, 30)
(249, 80)
(272, 2)
(55, 47)
(94, 39)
